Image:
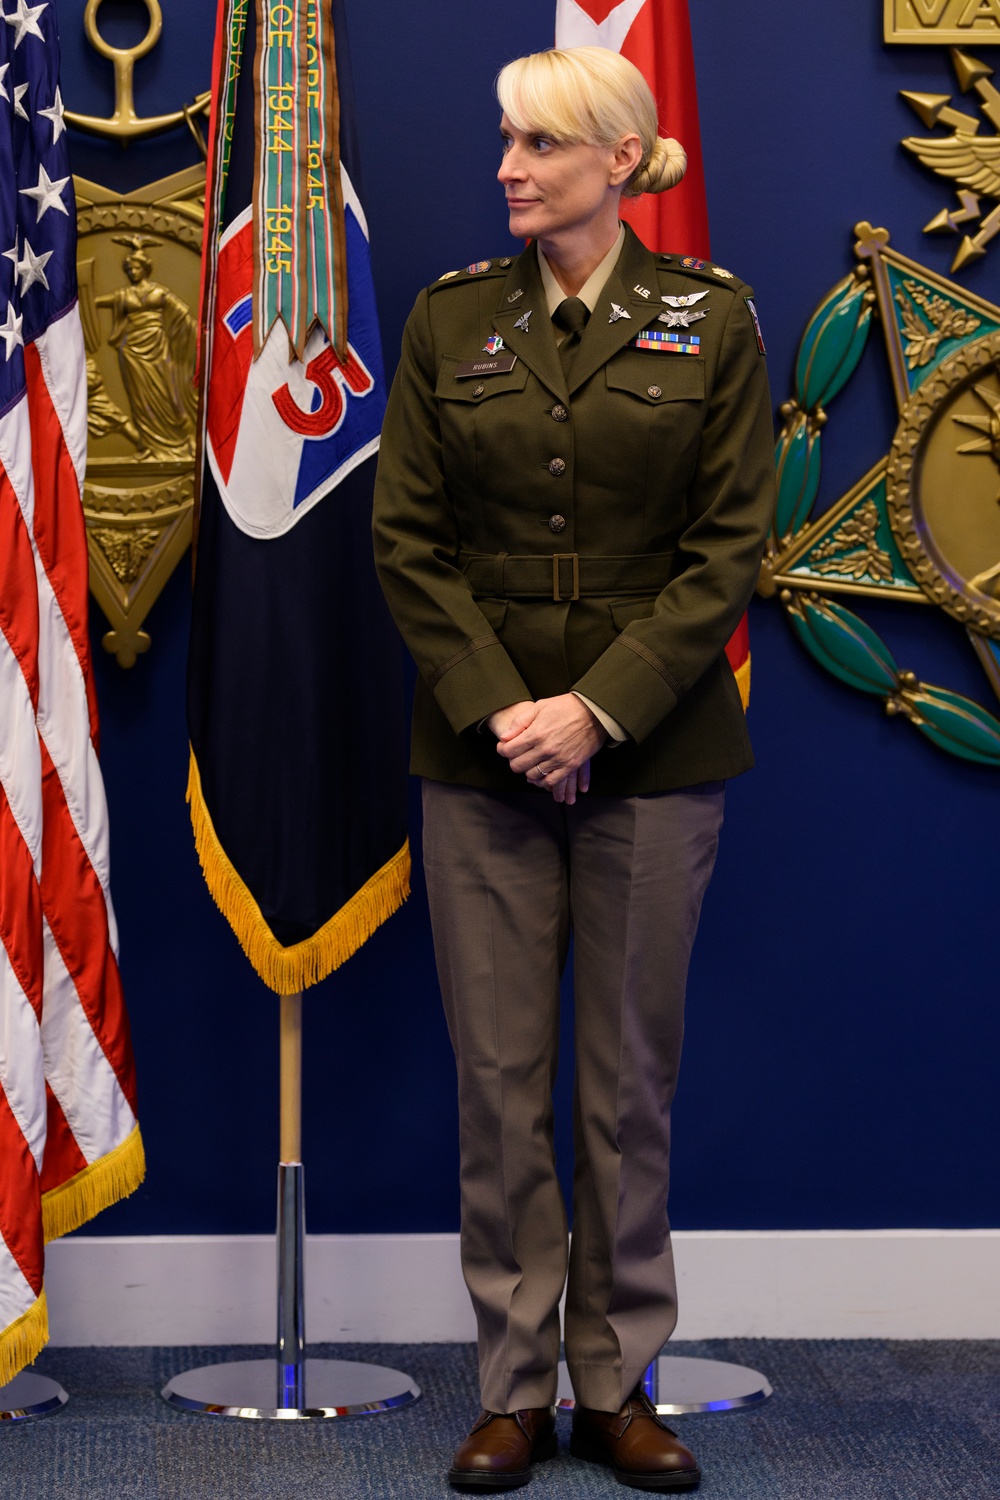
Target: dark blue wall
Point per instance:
(843, 1031)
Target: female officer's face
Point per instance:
(553, 187)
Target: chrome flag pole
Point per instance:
(290, 1387)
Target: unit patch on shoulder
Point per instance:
(692, 263)
(478, 266)
(756, 324)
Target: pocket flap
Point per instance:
(624, 611)
(672, 377)
(450, 388)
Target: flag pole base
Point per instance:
(677, 1385)
(330, 1388)
(30, 1395)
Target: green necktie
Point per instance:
(572, 316)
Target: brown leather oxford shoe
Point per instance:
(500, 1449)
(636, 1444)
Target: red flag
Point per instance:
(655, 35)
(69, 1142)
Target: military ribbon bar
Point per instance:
(666, 343)
(299, 245)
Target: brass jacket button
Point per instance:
(557, 523)
(654, 391)
(478, 390)
(559, 414)
(557, 466)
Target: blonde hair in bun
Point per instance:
(594, 95)
(666, 166)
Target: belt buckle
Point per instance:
(557, 594)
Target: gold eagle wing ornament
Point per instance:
(973, 161)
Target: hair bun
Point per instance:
(666, 166)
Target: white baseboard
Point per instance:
(407, 1288)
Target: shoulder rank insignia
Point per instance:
(728, 275)
(478, 266)
(493, 344)
(617, 313)
(658, 342)
(447, 275)
(522, 322)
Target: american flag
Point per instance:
(69, 1141)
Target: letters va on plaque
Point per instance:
(958, 22)
(139, 260)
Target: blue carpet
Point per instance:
(849, 1420)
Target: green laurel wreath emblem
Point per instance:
(851, 545)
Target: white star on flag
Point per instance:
(3, 74)
(20, 89)
(55, 114)
(47, 194)
(13, 254)
(32, 268)
(24, 18)
(10, 331)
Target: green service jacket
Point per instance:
(535, 536)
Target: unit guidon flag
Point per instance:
(295, 698)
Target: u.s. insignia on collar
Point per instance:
(493, 344)
(617, 313)
(478, 266)
(514, 295)
(642, 290)
(522, 322)
(728, 275)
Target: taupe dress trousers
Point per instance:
(509, 877)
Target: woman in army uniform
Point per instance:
(574, 488)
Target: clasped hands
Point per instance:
(550, 742)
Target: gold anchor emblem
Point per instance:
(124, 123)
(138, 263)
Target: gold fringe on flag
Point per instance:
(289, 970)
(104, 1182)
(742, 675)
(23, 1339)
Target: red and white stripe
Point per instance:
(67, 1093)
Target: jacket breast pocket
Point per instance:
(657, 378)
(479, 417)
(481, 386)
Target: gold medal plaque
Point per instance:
(942, 21)
(139, 268)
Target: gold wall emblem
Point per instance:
(139, 268)
(937, 21)
(139, 264)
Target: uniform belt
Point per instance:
(563, 575)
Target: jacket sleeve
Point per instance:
(646, 670)
(417, 545)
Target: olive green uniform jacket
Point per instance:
(535, 536)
